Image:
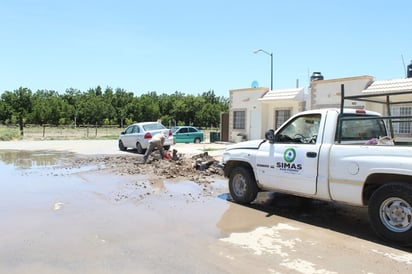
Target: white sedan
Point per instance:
(137, 136)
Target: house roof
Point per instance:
(340, 80)
(379, 92)
(284, 94)
(395, 85)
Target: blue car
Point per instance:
(187, 134)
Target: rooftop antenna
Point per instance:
(404, 66)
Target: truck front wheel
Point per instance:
(242, 185)
(390, 213)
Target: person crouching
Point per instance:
(157, 141)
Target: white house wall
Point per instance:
(270, 108)
(246, 100)
(327, 93)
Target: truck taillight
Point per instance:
(360, 111)
(148, 135)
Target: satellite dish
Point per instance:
(255, 84)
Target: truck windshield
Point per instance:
(360, 128)
(303, 129)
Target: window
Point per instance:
(183, 130)
(281, 116)
(239, 119)
(153, 126)
(402, 127)
(362, 129)
(303, 129)
(130, 130)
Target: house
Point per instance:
(401, 104)
(252, 111)
(327, 93)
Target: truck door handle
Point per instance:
(311, 154)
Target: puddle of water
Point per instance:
(32, 159)
(43, 163)
(185, 188)
(54, 216)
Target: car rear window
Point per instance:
(154, 126)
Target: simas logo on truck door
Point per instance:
(290, 162)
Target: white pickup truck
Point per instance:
(323, 154)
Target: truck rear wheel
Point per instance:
(390, 213)
(242, 185)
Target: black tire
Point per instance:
(390, 213)
(242, 185)
(197, 141)
(139, 148)
(121, 146)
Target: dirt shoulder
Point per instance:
(197, 162)
(88, 147)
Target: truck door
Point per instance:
(291, 163)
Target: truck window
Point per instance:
(303, 129)
(362, 129)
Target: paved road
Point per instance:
(103, 146)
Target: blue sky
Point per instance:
(196, 46)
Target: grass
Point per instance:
(8, 133)
(59, 133)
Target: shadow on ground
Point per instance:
(345, 219)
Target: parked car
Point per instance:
(137, 136)
(187, 134)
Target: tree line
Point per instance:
(109, 107)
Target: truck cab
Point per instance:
(297, 153)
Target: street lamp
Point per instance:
(271, 64)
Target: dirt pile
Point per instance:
(199, 168)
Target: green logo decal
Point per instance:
(289, 155)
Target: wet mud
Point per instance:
(103, 214)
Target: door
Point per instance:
(254, 132)
(182, 135)
(291, 163)
(129, 138)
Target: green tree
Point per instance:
(71, 100)
(47, 107)
(149, 107)
(6, 110)
(98, 107)
(93, 109)
(122, 104)
(20, 103)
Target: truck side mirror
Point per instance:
(270, 136)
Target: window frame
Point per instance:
(239, 122)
